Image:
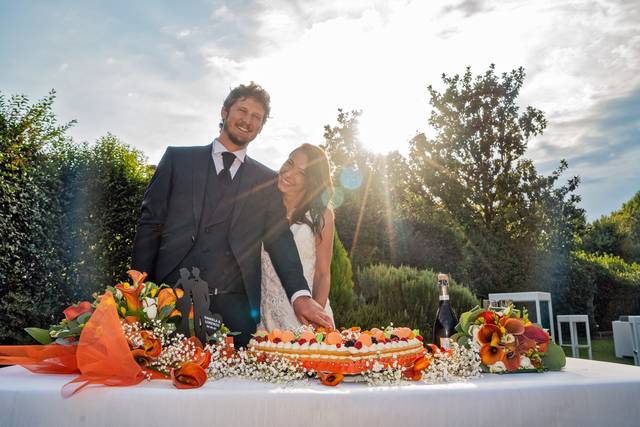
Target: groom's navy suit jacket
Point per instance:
(172, 210)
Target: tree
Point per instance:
(104, 186)
(473, 172)
(364, 202)
(67, 214)
(373, 219)
(616, 234)
(30, 215)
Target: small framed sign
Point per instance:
(212, 322)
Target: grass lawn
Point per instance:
(602, 349)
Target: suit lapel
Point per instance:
(245, 189)
(202, 164)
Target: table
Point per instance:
(587, 393)
(526, 297)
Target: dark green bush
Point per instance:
(341, 292)
(617, 287)
(67, 215)
(403, 295)
(601, 286)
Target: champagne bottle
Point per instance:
(446, 320)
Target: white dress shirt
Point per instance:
(216, 153)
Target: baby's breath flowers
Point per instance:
(255, 366)
(457, 364)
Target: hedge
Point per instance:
(404, 296)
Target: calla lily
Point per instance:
(73, 311)
(190, 375)
(490, 354)
(168, 296)
(511, 361)
(151, 345)
(131, 319)
(137, 277)
(514, 326)
(488, 316)
(421, 364)
(141, 357)
(525, 344)
(331, 379)
(432, 348)
(131, 295)
(487, 332)
(201, 357)
(412, 374)
(537, 334)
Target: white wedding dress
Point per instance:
(275, 308)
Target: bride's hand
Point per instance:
(309, 311)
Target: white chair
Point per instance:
(530, 296)
(634, 321)
(622, 342)
(573, 320)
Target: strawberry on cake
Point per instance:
(347, 351)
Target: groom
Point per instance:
(213, 207)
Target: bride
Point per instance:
(305, 183)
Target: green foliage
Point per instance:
(30, 215)
(601, 286)
(367, 213)
(341, 291)
(554, 359)
(373, 224)
(404, 296)
(617, 285)
(105, 184)
(473, 173)
(617, 234)
(67, 214)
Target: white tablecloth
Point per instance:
(586, 393)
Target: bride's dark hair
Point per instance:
(318, 188)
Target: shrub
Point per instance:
(617, 287)
(601, 286)
(67, 215)
(341, 292)
(404, 296)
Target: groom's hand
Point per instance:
(309, 311)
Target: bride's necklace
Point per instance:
(290, 214)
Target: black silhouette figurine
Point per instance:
(196, 293)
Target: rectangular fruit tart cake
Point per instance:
(347, 351)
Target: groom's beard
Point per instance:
(238, 142)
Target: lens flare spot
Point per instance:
(336, 200)
(351, 178)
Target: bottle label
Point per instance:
(444, 297)
(445, 343)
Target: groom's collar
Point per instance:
(218, 149)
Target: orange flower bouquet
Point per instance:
(507, 341)
(124, 336)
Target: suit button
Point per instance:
(193, 238)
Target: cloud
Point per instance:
(156, 74)
(467, 7)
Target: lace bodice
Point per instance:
(275, 307)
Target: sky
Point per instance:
(155, 73)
